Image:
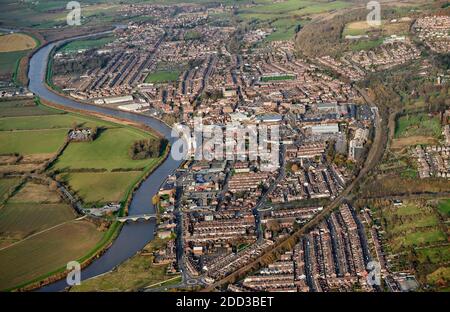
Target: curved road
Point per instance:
(133, 236)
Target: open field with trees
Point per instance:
(6, 185)
(13, 48)
(415, 237)
(109, 151)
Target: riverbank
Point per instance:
(114, 229)
(132, 237)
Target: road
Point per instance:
(374, 156)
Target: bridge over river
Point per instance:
(136, 218)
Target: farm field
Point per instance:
(385, 29)
(65, 121)
(108, 151)
(6, 185)
(100, 187)
(9, 62)
(47, 14)
(16, 42)
(366, 44)
(19, 220)
(49, 251)
(34, 207)
(32, 142)
(135, 273)
(26, 107)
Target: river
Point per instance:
(133, 236)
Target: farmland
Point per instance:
(444, 207)
(16, 42)
(49, 251)
(100, 187)
(109, 151)
(32, 142)
(35, 221)
(6, 185)
(135, 273)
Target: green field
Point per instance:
(162, 76)
(28, 107)
(36, 209)
(444, 207)
(133, 274)
(435, 255)
(277, 78)
(270, 10)
(108, 151)
(366, 44)
(418, 124)
(46, 252)
(6, 185)
(101, 187)
(77, 45)
(32, 208)
(9, 62)
(65, 121)
(32, 142)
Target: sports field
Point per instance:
(162, 76)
